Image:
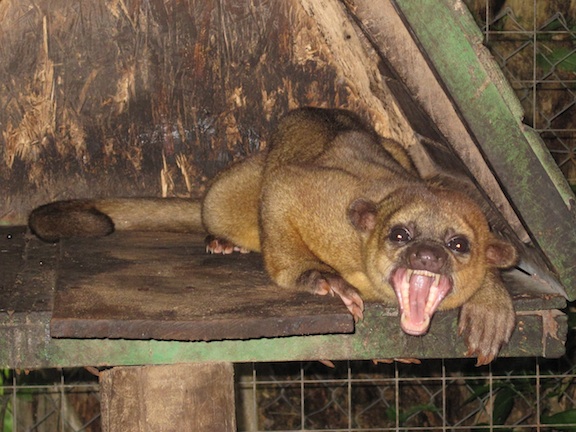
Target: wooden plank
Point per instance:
(165, 286)
(11, 260)
(194, 397)
(25, 343)
(25, 340)
(388, 34)
(27, 272)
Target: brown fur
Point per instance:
(334, 208)
(331, 193)
(99, 217)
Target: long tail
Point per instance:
(100, 217)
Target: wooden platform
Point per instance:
(165, 286)
(144, 298)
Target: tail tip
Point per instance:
(64, 219)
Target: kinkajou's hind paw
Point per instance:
(216, 245)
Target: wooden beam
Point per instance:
(184, 397)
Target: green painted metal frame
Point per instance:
(452, 43)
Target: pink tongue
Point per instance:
(419, 289)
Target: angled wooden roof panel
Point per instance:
(450, 40)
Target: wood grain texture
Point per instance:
(25, 314)
(154, 98)
(165, 286)
(185, 397)
(27, 272)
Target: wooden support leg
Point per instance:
(184, 397)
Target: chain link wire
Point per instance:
(534, 43)
(437, 395)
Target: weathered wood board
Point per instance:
(195, 397)
(165, 286)
(30, 270)
(154, 98)
(27, 272)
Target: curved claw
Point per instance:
(328, 363)
(404, 360)
(334, 284)
(485, 330)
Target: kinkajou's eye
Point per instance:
(400, 235)
(459, 244)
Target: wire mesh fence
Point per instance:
(49, 400)
(354, 396)
(442, 395)
(534, 42)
